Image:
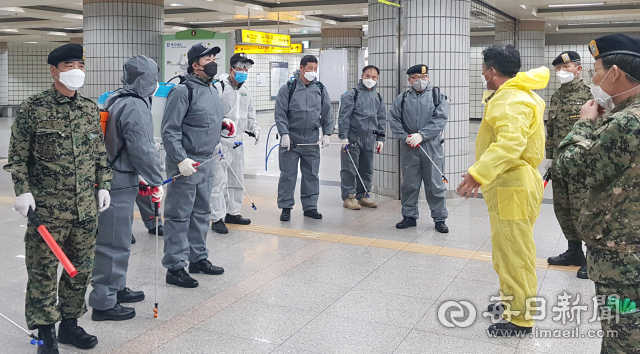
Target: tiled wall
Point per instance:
(28, 70)
(4, 76)
(113, 32)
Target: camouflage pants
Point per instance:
(567, 203)
(627, 338)
(77, 239)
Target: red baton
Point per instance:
(57, 251)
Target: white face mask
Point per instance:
(72, 79)
(484, 81)
(310, 75)
(565, 76)
(604, 99)
(369, 83)
(420, 85)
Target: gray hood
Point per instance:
(140, 77)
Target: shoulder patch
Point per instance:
(587, 144)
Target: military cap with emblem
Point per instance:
(200, 49)
(566, 57)
(67, 52)
(617, 43)
(240, 58)
(418, 69)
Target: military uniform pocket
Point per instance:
(513, 203)
(46, 144)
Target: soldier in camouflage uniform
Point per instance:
(605, 156)
(568, 198)
(57, 159)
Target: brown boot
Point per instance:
(367, 202)
(351, 203)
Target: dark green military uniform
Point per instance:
(564, 112)
(57, 153)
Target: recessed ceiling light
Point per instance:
(73, 28)
(485, 26)
(305, 31)
(31, 42)
(9, 30)
(202, 22)
(56, 33)
(176, 5)
(588, 23)
(351, 15)
(577, 5)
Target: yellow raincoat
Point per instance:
(509, 147)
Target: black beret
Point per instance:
(617, 43)
(199, 50)
(566, 57)
(418, 69)
(67, 52)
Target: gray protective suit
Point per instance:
(227, 193)
(189, 131)
(357, 122)
(130, 132)
(301, 118)
(421, 116)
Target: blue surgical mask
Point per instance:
(241, 76)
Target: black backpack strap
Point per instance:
(222, 85)
(435, 93)
(321, 87)
(355, 96)
(291, 84)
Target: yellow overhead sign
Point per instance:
(265, 49)
(262, 38)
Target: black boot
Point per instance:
(313, 213)
(219, 227)
(236, 219)
(117, 313)
(441, 227)
(70, 333)
(129, 296)
(181, 278)
(406, 222)
(152, 231)
(47, 334)
(582, 273)
(133, 239)
(573, 256)
(204, 266)
(286, 214)
(507, 329)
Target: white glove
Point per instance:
(23, 202)
(324, 142)
(229, 126)
(104, 200)
(414, 139)
(157, 194)
(257, 134)
(285, 142)
(186, 167)
(141, 180)
(344, 142)
(379, 145)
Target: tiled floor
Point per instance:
(350, 283)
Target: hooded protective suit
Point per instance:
(418, 114)
(509, 147)
(227, 193)
(301, 117)
(356, 122)
(129, 134)
(189, 130)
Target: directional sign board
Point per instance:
(265, 49)
(262, 38)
